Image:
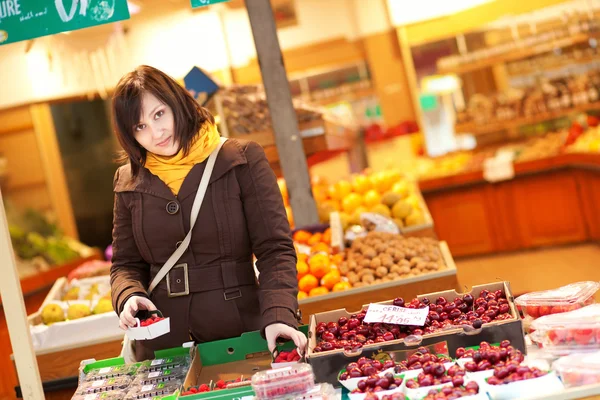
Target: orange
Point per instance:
(283, 190)
(337, 258)
(302, 236)
(340, 190)
(340, 286)
(318, 291)
(319, 193)
(302, 268)
(314, 239)
(319, 265)
(372, 198)
(317, 180)
(302, 256)
(361, 184)
(351, 202)
(330, 279)
(302, 295)
(308, 283)
(320, 247)
(326, 236)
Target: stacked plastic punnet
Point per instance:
(565, 325)
(292, 382)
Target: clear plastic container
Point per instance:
(104, 385)
(564, 299)
(283, 382)
(111, 372)
(324, 391)
(578, 369)
(163, 375)
(574, 331)
(153, 390)
(112, 395)
(167, 363)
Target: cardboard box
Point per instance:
(327, 365)
(227, 360)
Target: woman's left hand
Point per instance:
(274, 331)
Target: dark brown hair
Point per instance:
(188, 115)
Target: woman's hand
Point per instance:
(131, 307)
(274, 331)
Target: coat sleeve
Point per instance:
(129, 273)
(271, 240)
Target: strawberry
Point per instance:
(297, 358)
(221, 384)
(186, 393)
(583, 336)
(290, 356)
(557, 336)
(533, 311)
(203, 388)
(194, 390)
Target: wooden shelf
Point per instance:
(517, 54)
(482, 129)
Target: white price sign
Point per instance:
(396, 315)
(499, 168)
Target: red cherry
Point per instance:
(342, 321)
(458, 381)
(355, 373)
(441, 301)
(328, 336)
(388, 336)
(327, 346)
(399, 302)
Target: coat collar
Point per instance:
(230, 156)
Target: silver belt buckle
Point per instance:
(187, 284)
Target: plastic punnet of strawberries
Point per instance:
(353, 333)
(287, 356)
(489, 357)
(152, 320)
(219, 385)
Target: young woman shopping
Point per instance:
(210, 292)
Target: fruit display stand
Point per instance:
(548, 201)
(410, 287)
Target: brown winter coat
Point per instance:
(242, 214)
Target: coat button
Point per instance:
(172, 207)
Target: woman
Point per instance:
(211, 293)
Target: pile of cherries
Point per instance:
(353, 333)
(393, 396)
(417, 360)
(513, 372)
(489, 357)
(436, 374)
(447, 393)
(365, 367)
(376, 383)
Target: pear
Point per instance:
(381, 209)
(52, 313)
(103, 306)
(401, 209)
(415, 218)
(77, 311)
(72, 294)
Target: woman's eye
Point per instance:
(140, 127)
(159, 114)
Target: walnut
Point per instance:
(415, 260)
(393, 275)
(404, 270)
(364, 272)
(387, 261)
(358, 284)
(381, 248)
(368, 279)
(352, 277)
(386, 279)
(398, 255)
(381, 272)
(366, 263)
(344, 269)
(370, 253)
(390, 251)
(352, 265)
(375, 263)
(395, 269)
(376, 281)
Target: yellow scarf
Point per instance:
(173, 170)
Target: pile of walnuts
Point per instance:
(382, 257)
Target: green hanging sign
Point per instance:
(203, 3)
(29, 19)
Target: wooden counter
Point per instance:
(550, 201)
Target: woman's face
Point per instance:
(155, 131)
